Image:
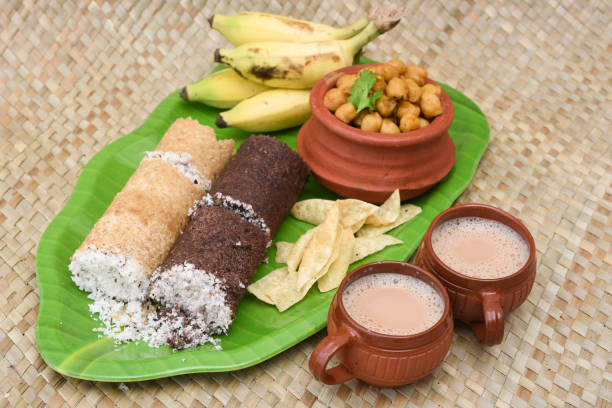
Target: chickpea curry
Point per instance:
(385, 98)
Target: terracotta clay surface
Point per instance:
(379, 359)
(367, 165)
(481, 303)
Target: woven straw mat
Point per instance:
(75, 76)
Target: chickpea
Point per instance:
(423, 122)
(346, 112)
(430, 105)
(359, 118)
(406, 107)
(389, 126)
(346, 81)
(334, 98)
(418, 80)
(409, 122)
(396, 88)
(377, 69)
(380, 84)
(431, 88)
(416, 73)
(397, 64)
(389, 72)
(371, 122)
(414, 91)
(385, 105)
(415, 69)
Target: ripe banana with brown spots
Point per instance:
(251, 26)
(300, 65)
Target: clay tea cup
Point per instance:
(480, 302)
(383, 360)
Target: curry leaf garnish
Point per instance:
(361, 88)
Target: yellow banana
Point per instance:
(222, 89)
(268, 111)
(300, 65)
(252, 26)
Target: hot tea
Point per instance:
(394, 304)
(479, 247)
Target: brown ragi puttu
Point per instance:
(208, 269)
(141, 224)
(264, 178)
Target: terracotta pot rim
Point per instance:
(388, 341)
(326, 118)
(470, 282)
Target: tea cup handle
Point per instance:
(491, 332)
(324, 351)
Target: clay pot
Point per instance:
(380, 359)
(481, 303)
(367, 165)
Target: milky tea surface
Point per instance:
(393, 303)
(479, 247)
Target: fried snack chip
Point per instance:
(319, 251)
(324, 253)
(312, 211)
(338, 269)
(263, 288)
(283, 249)
(353, 213)
(331, 261)
(278, 288)
(387, 213)
(297, 251)
(407, 212)
(365, 246)
(284, 300)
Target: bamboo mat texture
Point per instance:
(75, 76)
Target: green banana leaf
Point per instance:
(64, 329)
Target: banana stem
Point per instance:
(350, 30)
(387, 17)
(381, 19)
(354, 44)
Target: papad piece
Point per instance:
(312, 211)
(284, 300)
(283, 249)
(319, 250)
(330, 262)
(365, 246)
(278, 288)
(353, 213)
(388, 212)
(338, 269)
(297, 251)
(264, 288)
(407, 212)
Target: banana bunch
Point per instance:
(279, 52)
